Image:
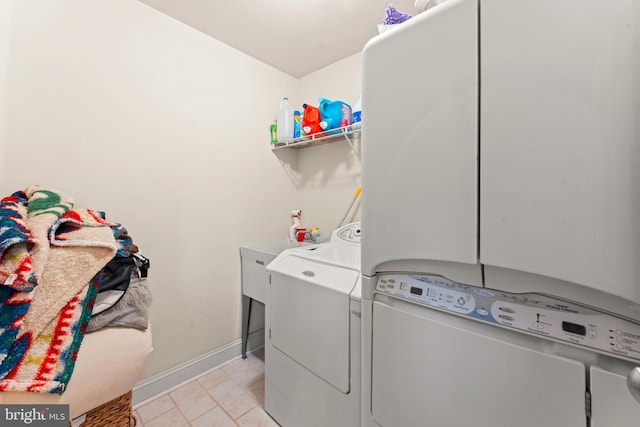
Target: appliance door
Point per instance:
(420, 166)
(431, 368)
(611, 402)
(560, 141)
(309, 316)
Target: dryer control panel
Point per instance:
(533, 313)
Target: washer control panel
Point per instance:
(536, 314)
(350, 233)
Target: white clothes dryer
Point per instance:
(312, 346)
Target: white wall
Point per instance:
(165, 129)
(5, 38)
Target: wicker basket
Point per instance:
(115, 413)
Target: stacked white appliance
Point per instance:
(501, 216)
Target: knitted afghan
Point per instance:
(48, 254)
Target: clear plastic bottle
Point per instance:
(345, 111)
(285, 121)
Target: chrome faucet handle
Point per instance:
(633, 383)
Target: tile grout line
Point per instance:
(161, 414)
(218, 404)
(233, 420)
(177, 386)
(246, 389)
(175, 405)
(182, 384)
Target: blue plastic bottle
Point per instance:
(296, 124)
(357, 111)
(331, 113)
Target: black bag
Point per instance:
(114, 279)
(116, 275)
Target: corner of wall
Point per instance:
(328, 175)
(5, 43)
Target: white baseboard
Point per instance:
(170, 379)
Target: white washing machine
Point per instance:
(312, 346)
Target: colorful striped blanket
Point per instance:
(49, 252)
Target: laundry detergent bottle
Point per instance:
(331, 113)
(311, 121)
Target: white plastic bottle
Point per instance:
(357, 111)
(284, 128)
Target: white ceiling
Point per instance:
(294, 36)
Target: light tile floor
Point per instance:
(228, 396)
